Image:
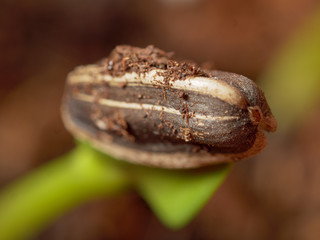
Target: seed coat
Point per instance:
(149, 109)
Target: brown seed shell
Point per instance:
(143, 107)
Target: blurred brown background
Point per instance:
(273, 196)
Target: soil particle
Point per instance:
(122, 85)
(119, 125)
(183, 95)
(184, 110)
(124, 59)
(186, 134)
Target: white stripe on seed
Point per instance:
(144, 106)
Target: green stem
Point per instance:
(29, 205)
